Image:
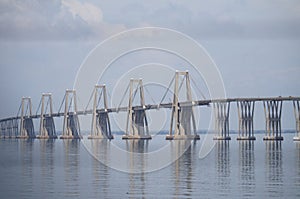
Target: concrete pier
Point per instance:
(221, 113)
(100, 128)
(245, 115)
(272, 109)
(47, 126)
(296, 104)
(9, 129)
(182, 117)
(137, 123)
(71, 127)
(26, 123)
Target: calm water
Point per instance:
(65, 169)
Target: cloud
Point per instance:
(215, 18)
(53, 20)
(86, 11)
(90, 19)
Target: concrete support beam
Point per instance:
(71, 127)
(296, 104)
(15, 128)
(100, 121)
(182, 118)
(221, 114)
(272, 109)
(9, 129)
(47, 126)
(2, 132)
(5, 129)
(26, 123)
(246, 114)
(137, 124)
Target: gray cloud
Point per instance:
(213, 19)
(66, 19)
(76, 19)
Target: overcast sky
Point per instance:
(254, 43)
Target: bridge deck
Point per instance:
(168, 105)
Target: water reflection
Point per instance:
(223, 167)
(71, 167)
(137, 150)
(137, 146)
(264, 169)
(47, 152)
(274, 171)
(26, 156)
(100, 173)
(297, 176)
(137, 162)
(247, 167)
(183, 172)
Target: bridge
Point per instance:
(182, 119)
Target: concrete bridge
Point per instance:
(182, 119)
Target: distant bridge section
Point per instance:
(182, 125)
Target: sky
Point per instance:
(255, 44)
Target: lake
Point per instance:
(78, 169)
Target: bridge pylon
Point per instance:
(246, 114)
(137, 124)
(47, 126)
(296, 104)
(182, 117)
(273, 109)
(221, 114)
(100, 120)
(26, 123)
(71, 127)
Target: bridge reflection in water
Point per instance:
(297, 166)
(223, 167)
(63, 168)
(47, 162)
(247, 168)
(71, 166)
(274, 169)
(101, 182)
(137, 182)
(181, 174)
(27, 172)
(183, 170)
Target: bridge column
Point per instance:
(137, 124)
(183, 118)
(15, 128)
(10, 128)
(272, 109)
(221, 113)
(26, 124)
(2, 130)
(297, 117)
(6, 128)
(246, 114)
(47, 126)
(100, 120)
(71, 127)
